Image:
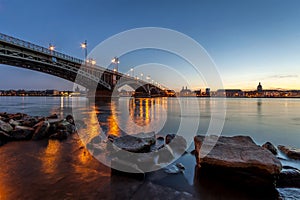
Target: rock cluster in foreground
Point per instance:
(238, 159)
(19, 126)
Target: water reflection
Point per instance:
(50, 157)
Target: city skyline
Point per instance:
(249, 42)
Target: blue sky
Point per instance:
(249, 41)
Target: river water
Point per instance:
(274, 120)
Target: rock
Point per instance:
(41, 130)
(238, 159)
(289, 178)
(165, 155)
(70, 119)
(65, 125)
(169, 138)
(175, 169)
(291, 152)
(53, 116)
(60, 135)
(54, 123)
(172, 169)
(22, 133)
(270, 147)
(4, 135)
(29, 121)
(6, 127)
(111, 137)
(193, 152)
(138, 143)
(180, 166)
(14, 123)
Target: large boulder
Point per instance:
(137, 143)
(41, 130)
(6, 127)
(237, 159)
(291, 152)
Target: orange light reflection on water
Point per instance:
(50, 157)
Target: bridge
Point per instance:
(19, 53)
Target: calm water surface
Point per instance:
(274, 120)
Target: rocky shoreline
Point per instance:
(236, 159)
(20, 126)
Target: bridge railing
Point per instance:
(15, 41)
(34, 47)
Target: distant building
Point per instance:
(186, 92)
(198, 93)
(170, 93)
(259, 88)
(52, 92)
(207, 91)
(230, 93)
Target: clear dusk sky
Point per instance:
(249, 40)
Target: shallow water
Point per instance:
(274, 120)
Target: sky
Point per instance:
(249, 41)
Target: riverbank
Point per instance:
(50, 169)
(66, 170)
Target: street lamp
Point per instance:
(132, 72)
(51, 47)
(92, 61)
(84, 46)
(115, 61)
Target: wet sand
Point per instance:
(51, 169)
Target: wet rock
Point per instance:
(41, 130)
(169, 138)
(29, 121)
(70, 119)
(165, 155)
(175, 169)
(193, 152)
(14, 123)
(270, 147)
(289, 178)
(180, 166)
(22, 133)
(65, 125)
(54, 123)
(6, 127)
(53, 116)
(60, 135)
(291, 152)
(16, 116)
(137, 143)
(177, 144)
(111, 137)
(4, 135)
(237, 158)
